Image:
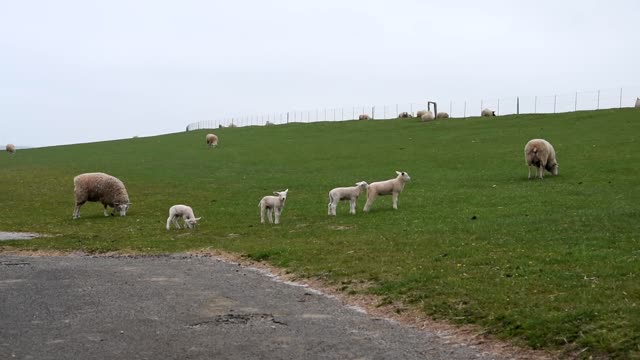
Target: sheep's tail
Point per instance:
(535, 150)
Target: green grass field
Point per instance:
(553, 263)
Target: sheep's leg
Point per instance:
(329, 209)
(106, 213)
(370, 199)
(169, 223)
(76, 211)
(352, 203)
(395, 200)
(270, 215)
(175, 222)
(541, 171)
(529, 168)
(278, 211)
(262, 214)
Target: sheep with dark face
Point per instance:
(404, 115)
(212, 140)
(103, 188)
(364, 117)
(272, 204)
(540, 153)
(346, 193)
(388, 187)
(487, 112)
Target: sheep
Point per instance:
(346, 193)
(442, 115)
(363, 117)
(388, 187)
(404, 114)
(108, 190)
(11, 149)
(540, 153)
(427, 116)
(638, 103)
(184, 211)
(268, 123)
(272, 204)
(488, 112)
(212, 140)
(420, 113)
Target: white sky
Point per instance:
(74, 71)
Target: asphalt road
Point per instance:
(181, 307)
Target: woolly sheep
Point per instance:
(442, 115)
(388, 187)
(272, 204)
(638, 103)
(346, 193)
(11, 149)
(212, 140)
(540, 153)
(427, 116)
(420, 113)
(108, 190)
(183, 211)
(404, 114)
(363, 117)
(488, 112)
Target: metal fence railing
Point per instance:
(546, 104)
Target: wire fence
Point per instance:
(546, 104)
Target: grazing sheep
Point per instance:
(540, 153)
(346, 193)
(11, 149)
(420, 113)
(212, 140)
(404, 115)
(184, 211)
(273, 204)
(638, 103)
(388, 187)
(488, 112)
(427, 116)
(442, 115)
(268, 123)
(363, 117)
(108, 190)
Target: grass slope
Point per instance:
(552, 263)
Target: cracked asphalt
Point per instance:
(183, 307)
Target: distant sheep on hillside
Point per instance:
(11, 149)
(427, 116)
(442, 115)
(420, 113)
(212, 140)
(404, 115)
(363, 117)
(487, 112)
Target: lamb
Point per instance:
(389, 187)
(442, 115)
(184, 211)
(11, 149)
(108, 190)
(488, 112)
(404, 114)
(363, 117)
(638, 103)
(212, 140)
(540, 153)
(420, 113)
(272, 204)
(427, 116)
(346, 193)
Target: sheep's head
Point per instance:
(282, 195)
(362, 184)
(191, 223)
(121, 208)
(554, 169)
(405, 176)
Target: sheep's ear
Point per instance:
(276, 193)
(398, 172)
(196, 219)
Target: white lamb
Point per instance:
(212, 140)
(108, 190)
(427, 116)
(272, 204)
(389, 187)
(183, 211)
(442, 115)
(540, 153)
(420, 113)
(638, 103)
(346, 193)
(11, 149)
(363, 117)
(488, 112)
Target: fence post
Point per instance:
(518, 105)
(287, 117)
(598, 108)
(535, 105)
(384, 111)
(555, 98)
(450, 107)
(575, 108)
(464, 115)
(373, 112)
(481, 105)
(498, 107)
(621, 98)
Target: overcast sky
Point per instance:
(74, 71)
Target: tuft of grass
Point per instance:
(549, 263)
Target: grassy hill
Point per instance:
(553, 263)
